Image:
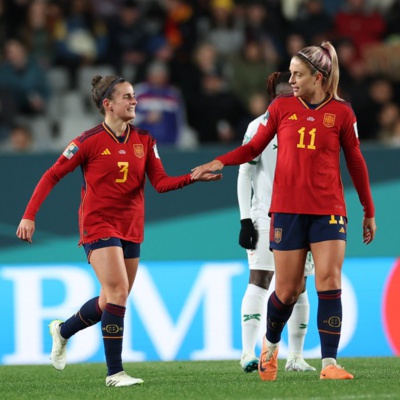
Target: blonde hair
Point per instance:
(323, 59)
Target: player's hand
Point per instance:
(212, 166)
(248, 236)
(207, 177)
(26, 229)
(369, 230)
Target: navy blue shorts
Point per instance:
(297, 231)
(130, 249)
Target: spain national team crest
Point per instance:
(278, 235)
(138, 149)
(329, 120)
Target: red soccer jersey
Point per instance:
(112, 197)
(307, 177)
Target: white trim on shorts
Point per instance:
(262, 258)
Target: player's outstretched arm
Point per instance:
(212, 166)
(26, 230)
(369, 230)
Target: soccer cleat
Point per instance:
(296, 362)
(58, 354)
(268, 364)
(122, 379)
(335, 371)
(249, 363)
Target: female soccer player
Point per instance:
(254, 188)
(308, 210)
(115, 158)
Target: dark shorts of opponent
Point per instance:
(297, 231)
(130, 249)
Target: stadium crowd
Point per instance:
(198, 66)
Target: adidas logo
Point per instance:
(341, 230)
(293, 117)
(106, 152)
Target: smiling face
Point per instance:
(123, 102)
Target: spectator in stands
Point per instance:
(362, 26)
(215, 112)
(294, 43)
(25, 79)
(80, 38)
(248, 70)
(20, 140)
(394, 139)
(36, 33)
(128, 38)
(222, 29)
(160, 108)
(265, 23)
(180, 28)
(387, 118)
(313, 22)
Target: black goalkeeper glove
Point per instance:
(248, 236)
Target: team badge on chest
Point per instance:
(139, 151)
(329, 120)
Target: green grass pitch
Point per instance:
(375, 378)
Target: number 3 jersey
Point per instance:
(307, 177)
(114, 173)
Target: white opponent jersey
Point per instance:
(255, 181)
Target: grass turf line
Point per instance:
(375, 378)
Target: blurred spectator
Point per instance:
(388, 117)
(248, 71)
(363, 27)
(80, 38)
(221, 29)
(380, 93)
(294, 43)
(25, 79)
(394, 139)
(205, 61)
(160, 108)
(313, 22)
(215, 112)
(347, 55)
(180, 28)
(20, 140)
(265, 23)
(106, 9)
(36, 33)
(256, 106)
(128, 39)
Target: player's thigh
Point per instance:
(328, 258)
(328, 235)
(109, 266)
(289, 274)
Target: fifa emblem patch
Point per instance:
(71, 150)
(139, 151)
(329, 120)
(277, 235)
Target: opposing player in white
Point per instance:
(254, 188)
